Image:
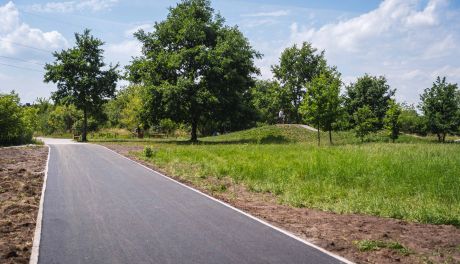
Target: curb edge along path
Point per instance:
(38, 223)
(37, 235)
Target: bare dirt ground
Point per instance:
(21, 179)
(338, 233)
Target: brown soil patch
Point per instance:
(21, 179)
(337, 233)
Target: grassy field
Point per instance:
(415, 179)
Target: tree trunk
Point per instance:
(439, 137)
(443, 137)
(194, 137)
(330, 137)
(85, 125)
(319, 136)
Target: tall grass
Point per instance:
(418, 181)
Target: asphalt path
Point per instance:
(100, 207)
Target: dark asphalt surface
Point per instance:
(102, 208)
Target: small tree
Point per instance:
(392, 122)
(80, 76)
(297, 67)
(365, 122)
(321, 105)
(371, 91)
(441, 105)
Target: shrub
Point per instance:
(15, 122)
(148, 152)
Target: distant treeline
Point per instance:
(199, 74)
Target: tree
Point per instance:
(15, 124)
(392, 122)
(441, 106)
(322, 102)
(297, 67)
(364, 120)
(82, 77)
(197, 69)
(411, 121)
(371, 91)
(268, 99)
(63, 117)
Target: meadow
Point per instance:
(414, 179)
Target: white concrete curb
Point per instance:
(38, 223)
(241, 212)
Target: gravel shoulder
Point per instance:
(355, 237)
(21, 179)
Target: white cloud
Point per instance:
(14, 33)
(124, 51)
(406, 41)
(72, 6)
(269, 14)
(148, 27)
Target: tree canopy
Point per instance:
(321, 106)
(441, 106)
(297, 67)
(81, 76)
(371, 91)
(198, 70)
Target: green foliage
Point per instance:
(322, 102)
(81, 76)
(392, 122)
(441, 106)
(63, 118)
(297, 67)
(364, 120)
(126, 110)
(411, 121)
(371, 245)
(197, 69)
(370, 91)
(268, 99)
(16, 122)
(167, 126)
(148, 152)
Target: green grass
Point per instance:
(416, 180)
(372, 245)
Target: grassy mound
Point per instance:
(281, 134)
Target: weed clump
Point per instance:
(148, 152)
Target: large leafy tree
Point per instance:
(441, 106)
(371, 91)
(82, 77)
(297, 67)
(322, 104)
(198, 70)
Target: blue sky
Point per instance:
(408, 41)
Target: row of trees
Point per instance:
(196, 71)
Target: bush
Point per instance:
(15, 122)
(148, 152)
(412, 122)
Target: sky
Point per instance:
(410, 42)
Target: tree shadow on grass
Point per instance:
(269, 139)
